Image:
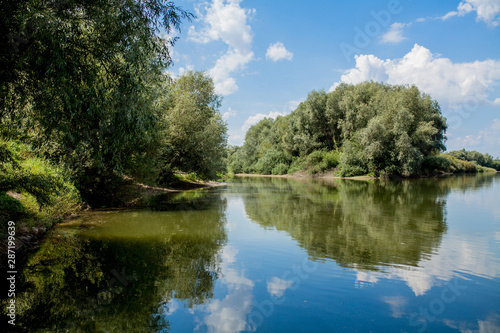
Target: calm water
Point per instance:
(278, 255)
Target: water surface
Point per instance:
(278, 255)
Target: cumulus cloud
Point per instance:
(276, 287)
(455, 84)
(488, 137)
(292, 105)
(395, 33)
(230, 113)
(397, 304)
(278, 51)
(455, 255)
(486, 10)
(225, 20)
(229, 315)
(252, 120)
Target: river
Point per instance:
(277, 255)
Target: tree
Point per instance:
(378, 128)
(397, 128)
(81, 80)
(195, 138)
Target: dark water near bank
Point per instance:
(278, 255)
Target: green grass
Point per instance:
(33, 191)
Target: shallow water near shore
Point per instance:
(278, 255)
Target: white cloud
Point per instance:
(276, 287)
(225, 20)
(456, 254)
(486, 10)
(395, 33)
(455, 84)
(278, 51)
(252, 120)
(183, 70)
(170, 307)
(229, 315)
(230, 113)
(488, 137)
(292, 105)
(397, 304)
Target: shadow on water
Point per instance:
(362, 224)
(117, 271)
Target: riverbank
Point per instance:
(332, 174)
(304, 174)
(30, 230)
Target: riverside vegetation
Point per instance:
(87, 108)
(369, 128)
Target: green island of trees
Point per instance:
(365, 129)
(87, 106)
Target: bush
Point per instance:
(280, 169)
(332, 159)
(436, 163)
(351, 162)
(351, 171)
(269, 161)
(45, 190)
(496, 165)
(321, 160)
(485, 160)
(314, 158)
(460, 166)
(192, 176)
(10, 208)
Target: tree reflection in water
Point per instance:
(111, 273)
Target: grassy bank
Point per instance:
(36, 195)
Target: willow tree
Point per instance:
(195, 138)
(80, 79)
(389, 129)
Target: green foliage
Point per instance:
(435, 164)
(82, 80)
(379, 128)
(10, 208)
(194, 138)
(485, 160)
(235, 159)
(460, 166)
(269, 161)
(496, 165)
(43, 189)
(280, 169)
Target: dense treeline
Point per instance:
(369, 128)
(85, 99)
(476, 158)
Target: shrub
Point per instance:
(460, 166)
(332, 159)
(436, 163)
(496, 165)
(280, 169)
(351, 162)
(321, 160)
(351, 171)
(10, 208)
(269, 161)
(45, 190)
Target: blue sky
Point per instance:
(266, 56)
